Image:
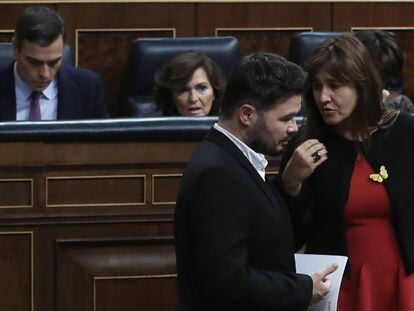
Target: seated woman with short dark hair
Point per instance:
(389, 60)
(191, 84)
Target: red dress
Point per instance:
(378, 280)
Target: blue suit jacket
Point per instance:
(80, 95)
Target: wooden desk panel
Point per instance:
(86, 212)
(79, 227)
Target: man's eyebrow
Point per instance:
(289, 115)
(42, 62)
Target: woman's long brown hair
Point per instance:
(346, 60)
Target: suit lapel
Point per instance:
(66, 95)
(221, 139)
(8, 94)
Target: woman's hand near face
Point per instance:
(303, 162)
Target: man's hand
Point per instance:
(321, 284)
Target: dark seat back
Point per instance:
(303, 44)
(147, 56)
(6, 55)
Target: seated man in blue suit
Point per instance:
(233, 236)
(35, 86)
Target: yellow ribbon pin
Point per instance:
(383, 174)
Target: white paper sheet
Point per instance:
(308, 264)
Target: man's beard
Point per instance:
(260, 140)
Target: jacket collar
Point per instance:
(8, 95)
(66, 93)
(66, 89)
(221, 139)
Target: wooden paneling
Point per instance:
(72, 257)
(16, 193)
(140, 153)
(17, 154)
(272, 40)
(98, 242)
(264, 27)
(110, 42)
(129, 16)
(6, 35)
(16, 285)
(81, 191)
(121, 293)
(116, 274)
(112, 45)
(165, 188)
(11, 12)
(9, 16)
(102, 216)
(388, 14)
(262, 15)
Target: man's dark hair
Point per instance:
(261, 80)
(39, 24)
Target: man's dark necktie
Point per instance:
(34, 114)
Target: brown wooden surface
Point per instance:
(104, 32)
(88, 224)
(117, 274)
(8, 190)
(115, 44)
(116, 190)
(262, 15)
(16, 270)
(94, 235)
(264, 27)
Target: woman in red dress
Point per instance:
(349, 179)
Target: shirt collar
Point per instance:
(22, 86)
(258, 160)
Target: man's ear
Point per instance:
(247, 114)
